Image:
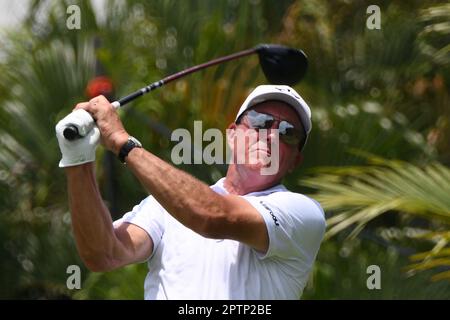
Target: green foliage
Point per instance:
(358, 195)
(342, 273)
(125, 284)
(34, 218)
(390, 67)
(436, 30)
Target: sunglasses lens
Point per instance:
(288, 133)
(260, 120)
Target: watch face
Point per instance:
(136, 141)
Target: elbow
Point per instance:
(96, 267)
(218, 222)
(98, 264)
(214, 227)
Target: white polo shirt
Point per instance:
(184, 265)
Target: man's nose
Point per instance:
(273, 130)
(270, 135)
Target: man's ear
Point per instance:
(232, 126)
(230, 133)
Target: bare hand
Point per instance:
(113, 134)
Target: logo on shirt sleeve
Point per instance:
(275, 220)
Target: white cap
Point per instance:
(281, 93)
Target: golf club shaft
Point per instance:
(178, 75)
(71, 131)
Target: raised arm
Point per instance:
(100, 245)
(186, 198)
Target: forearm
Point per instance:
(91, 221)
(186, 198)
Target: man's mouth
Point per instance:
(262, 150)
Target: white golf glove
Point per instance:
(80, 150)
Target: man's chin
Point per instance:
(259, 167)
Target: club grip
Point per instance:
(71, 133)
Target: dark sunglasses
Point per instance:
(287, 132)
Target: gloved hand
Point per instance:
(80, 150)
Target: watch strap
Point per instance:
(127, 147)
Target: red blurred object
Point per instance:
(100, 85)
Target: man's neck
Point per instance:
(241, 182)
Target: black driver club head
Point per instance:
(282, 65)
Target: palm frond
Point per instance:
(436, 20)
(357, 195)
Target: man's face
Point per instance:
(258, 152)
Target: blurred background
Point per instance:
(378, 159)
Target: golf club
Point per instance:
(280, 65)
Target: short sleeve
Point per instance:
(295, 225)
(150, 216)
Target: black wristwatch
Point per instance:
(131, 143)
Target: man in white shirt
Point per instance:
(246, 237)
